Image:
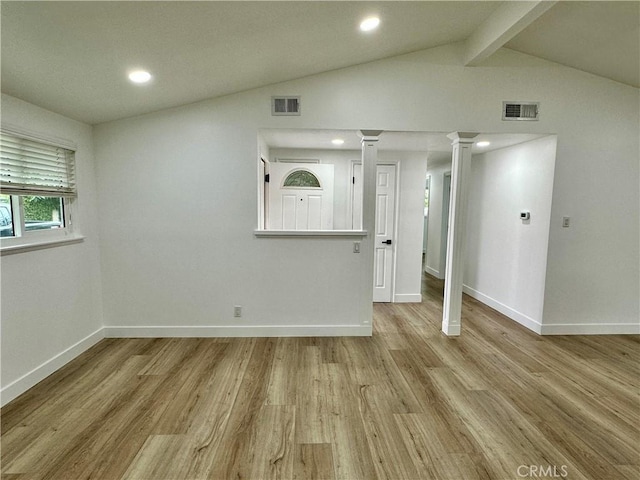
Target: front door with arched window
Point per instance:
(300, 196)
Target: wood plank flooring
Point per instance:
(499, 402)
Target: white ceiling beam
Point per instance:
(506, 22)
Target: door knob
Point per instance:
(388, 242)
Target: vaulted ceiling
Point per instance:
(73, 57)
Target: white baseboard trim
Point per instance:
(239, 331)
(451, 330)
(24, 383)
(407, 298)
(433, 272)
(521, 318)
(592, 329)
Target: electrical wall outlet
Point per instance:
(237, 311)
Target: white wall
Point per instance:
(188, 176)
(506, 257)
(186, 253)
(593, 266)
(51, 298)
(433, 258)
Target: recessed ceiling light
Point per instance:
(483, 144)
(139, 76)
(337, 141)
(369, 24)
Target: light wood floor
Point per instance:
(407, 403)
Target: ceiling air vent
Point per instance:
(520, 110)
(285, 105)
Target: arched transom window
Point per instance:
(301, 179)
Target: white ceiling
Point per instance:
(598, 37)
(73, 57)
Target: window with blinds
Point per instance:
(29, 167)
(37, 193)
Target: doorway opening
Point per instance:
(505, 253)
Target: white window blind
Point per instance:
(29, 167)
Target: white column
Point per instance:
(460, 172)
(369, 162)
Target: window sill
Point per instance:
(39, 244)
(310, 233)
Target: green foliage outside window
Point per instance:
(43, 209)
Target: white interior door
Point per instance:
(384, 229)
(384, 234)
(300, 205)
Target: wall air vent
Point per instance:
(285, 105)
(520, 110)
